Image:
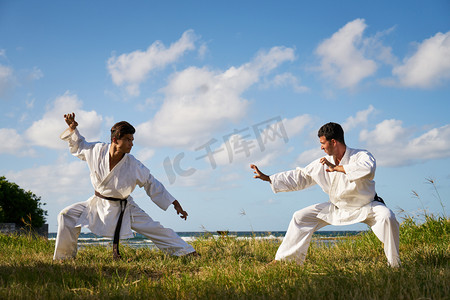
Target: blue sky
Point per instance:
(214, 86)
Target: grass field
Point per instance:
(229, 268)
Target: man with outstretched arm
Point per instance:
(346, 175)
(111, 211)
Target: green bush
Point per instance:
(20, 207)
(2, 215)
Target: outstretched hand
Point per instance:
(180, 210)
(259, 174)
(70, 120)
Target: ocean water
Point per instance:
(139, 241)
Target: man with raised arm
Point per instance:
(111, 211)
(346, 175)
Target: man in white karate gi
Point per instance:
(111, 212)
(346, 175)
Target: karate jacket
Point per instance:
(101, 215)
(350, 194)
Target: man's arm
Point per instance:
(260, 174)
(156, 191)
(77, 143)
(293, 180)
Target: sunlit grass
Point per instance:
(353, 268)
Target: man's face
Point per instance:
(327, 146)
(125, 144)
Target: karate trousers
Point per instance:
(164, 238)
(305, 222)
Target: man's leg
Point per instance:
(298, 236)
(67, 236)
(164, 238)
(385, 226)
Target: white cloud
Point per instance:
(200, 101)
(361, 117)
(431, 145)
(7, 80)
(296, 125)
(286, 80)
(374, 47)
(145, 154)
(429, 66)
(385, 133)
(265, 62)
(13, 143)
(394, 145)
(308, 156)
(35, 74)
(62, 181)
(230, 177)
(265, 148)
(46, 131)
(343, 55)
(131, 69)
(10, 78)
(203, 50)
(197, 179)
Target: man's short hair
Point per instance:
(332, 131)
(120, 129)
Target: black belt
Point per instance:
(116, 254)
(379, 199)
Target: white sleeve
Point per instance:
(362, 167)
(77, 143)
(158, 193)
(293, 180)
(154, 189)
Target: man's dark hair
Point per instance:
(120, 129)
(332, 131)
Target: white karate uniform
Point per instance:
(100, 215)
(351, 201)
